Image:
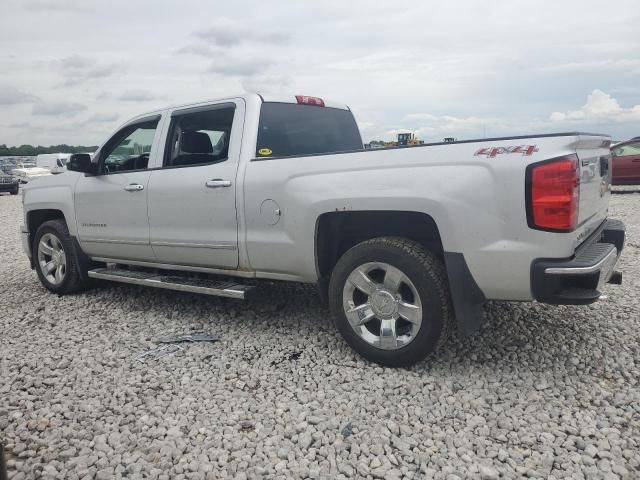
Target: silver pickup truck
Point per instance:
(404, 243)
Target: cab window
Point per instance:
(289, 129)
(129, 149)
(199, 137)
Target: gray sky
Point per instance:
(73, 70)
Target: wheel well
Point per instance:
(337, 232)
(38, 217)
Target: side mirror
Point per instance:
(81, 162)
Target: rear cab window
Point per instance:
(290, 129)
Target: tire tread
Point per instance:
(433, 266)
(75, 282)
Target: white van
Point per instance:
(54, 162)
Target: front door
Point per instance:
(192, 198)
(626, 163)
(111, 206)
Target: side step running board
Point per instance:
(219, 288)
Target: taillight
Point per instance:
(553, 194)
(306, 100)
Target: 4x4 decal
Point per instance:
(491, 152)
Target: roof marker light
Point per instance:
(306, 100)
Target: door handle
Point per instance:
(217, 183)
(134, 187)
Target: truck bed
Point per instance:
(473, 189)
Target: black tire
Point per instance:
(427, 273)
(75, 277)
(14, 192)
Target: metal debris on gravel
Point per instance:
(169, 346)
(539, 392)
(191, 338)
(158, 353)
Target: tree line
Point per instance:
(30, 150)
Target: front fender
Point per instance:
(43, 194)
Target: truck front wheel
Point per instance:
(389, 297)
(56, 260)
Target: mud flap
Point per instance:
(82, 260)
(468, 300)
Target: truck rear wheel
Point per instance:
(55, 258)
(389, 297)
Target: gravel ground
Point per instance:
(541, 391)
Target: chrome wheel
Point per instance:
(382, 305)
(52, 259)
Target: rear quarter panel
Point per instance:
(477, 201)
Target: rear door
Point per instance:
(192, 197)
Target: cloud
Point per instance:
(266, 83)
(228, 33)
(242, 67)
(384, 61)
(240, 63)
(76, 62)
(78, 69)
(600, 108)
(13, 96)
(104, 117)
(223, 44)
(56, 5)
(101, 71)
(20, 125)
(138, 95)
(197, 49)
(58, 108)
(626, 65)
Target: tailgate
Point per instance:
(595, 182)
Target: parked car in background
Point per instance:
(26, 174)
(8, 183)
(54, 162)
(626, 162)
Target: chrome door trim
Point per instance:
(119, 242)
(222, 246)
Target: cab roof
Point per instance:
(263, 98)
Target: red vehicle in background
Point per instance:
(626, 162)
